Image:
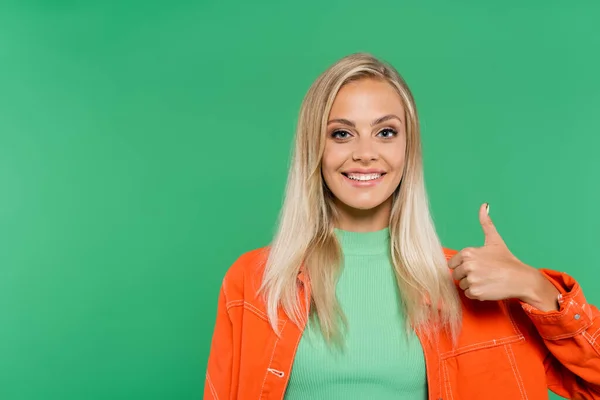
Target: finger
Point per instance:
(459, 272)
(489, 229)
(469, 295)
(455, 261)
(463, 284)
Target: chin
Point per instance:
(363, 205)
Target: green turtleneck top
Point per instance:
(378, 360)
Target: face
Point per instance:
(364, 153)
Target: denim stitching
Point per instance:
(596, 334)
(592, 342)
(437, 346)
(256, 311)
(515, 369)
(567, 296)
(572, 295)
(566, 335)
(297, 344)
(212, 388)
(577, 304)
(482, 345)
(569, 335)
(512, 321)
(233, 303)
(555, 316)
(271, 360)
(447, 382)
(575, 293)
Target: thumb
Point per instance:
(489, 229)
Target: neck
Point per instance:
(360, 220)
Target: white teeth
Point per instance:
(363, 177)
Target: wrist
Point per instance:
(539, 292)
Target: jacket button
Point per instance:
(577, 316)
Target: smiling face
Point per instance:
(364, 155)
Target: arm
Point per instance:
(572, 335)
(569, 328)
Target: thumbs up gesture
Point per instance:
(492, 272)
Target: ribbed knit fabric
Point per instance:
(379, 361)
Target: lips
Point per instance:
(363, 180)
(364, 171)
(362, 177)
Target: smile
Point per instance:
(363, 180)
(363, 177)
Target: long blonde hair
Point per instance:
(306, 238)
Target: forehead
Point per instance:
(366, 97)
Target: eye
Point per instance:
(387, 133)
(340, 134)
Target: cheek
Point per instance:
(396, 158)
(332, 161)
(400, 166)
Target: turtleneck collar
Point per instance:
(364, 243)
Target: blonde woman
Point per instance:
(356, 298)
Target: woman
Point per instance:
(356, 297)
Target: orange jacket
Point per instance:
(506, 350)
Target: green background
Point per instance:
(144, 146)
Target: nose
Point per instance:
(365, 150)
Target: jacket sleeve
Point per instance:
(572, 336)
(220, 369)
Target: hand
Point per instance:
(492, 272)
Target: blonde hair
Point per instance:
(306, 238)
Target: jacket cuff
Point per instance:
(574, 314)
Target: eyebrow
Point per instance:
(376, 122)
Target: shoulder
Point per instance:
(250, 262)
(245, 274)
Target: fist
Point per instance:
(492, 272)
